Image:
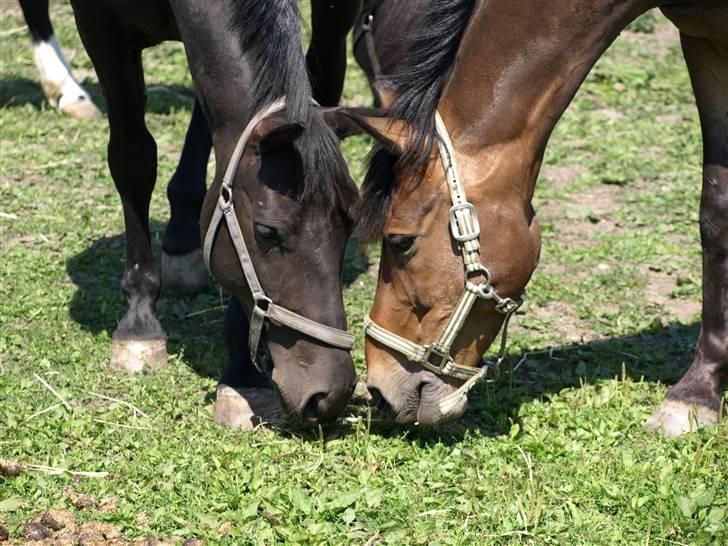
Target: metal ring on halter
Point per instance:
(367, 24)
(226, 188)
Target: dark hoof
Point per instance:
(247, 408)
(184, 274)
(674, 418)
(132, 355)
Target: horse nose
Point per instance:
(322, 407)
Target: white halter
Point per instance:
(465, 230)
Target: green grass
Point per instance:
(554, 453)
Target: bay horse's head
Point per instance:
(457, 251)
(288, 192)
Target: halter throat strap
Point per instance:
(263, 307)
(465, 229)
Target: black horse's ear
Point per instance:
(391, 133)
(276, 132)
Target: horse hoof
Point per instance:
(184, 274)
(83, 108)
(132, 355)
(246, 408)
(674, 418)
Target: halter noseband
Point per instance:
(263, 306)
(465, 229)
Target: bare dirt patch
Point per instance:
(657, 42)
(660, 289)
(557, 320)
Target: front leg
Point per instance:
(331, 21)
(245, 398)
(139, 339)
(695, 400)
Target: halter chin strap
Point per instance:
(263, 306)
(465, 229)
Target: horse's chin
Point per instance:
(417, 399)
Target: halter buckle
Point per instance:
(433, 365)
(455, 228)
(367, 24)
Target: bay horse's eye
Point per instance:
(400, 244)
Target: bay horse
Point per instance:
(278, 213)
(472, 104)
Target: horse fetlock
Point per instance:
(676, 417)
(185, 274)
(134, 355)
(247, 408)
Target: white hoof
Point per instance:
(132, 355)
(82, 108)
(245, 409)
(184, 274)
(674, 418)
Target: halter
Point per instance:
(465, 229)
(263, 306)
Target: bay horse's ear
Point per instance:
(276, 132)
(391, 133)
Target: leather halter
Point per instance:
(263, 307)
(465, 229)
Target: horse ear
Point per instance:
(276, 132)
(385, 93)
(391, 133)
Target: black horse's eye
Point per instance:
(266, 234)
(400, 244)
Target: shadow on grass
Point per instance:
(161, 99)
(193, 323)
(660, 354)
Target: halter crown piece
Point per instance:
(263, 307)
(465, 229)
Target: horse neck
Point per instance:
(515, 74)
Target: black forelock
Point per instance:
(270, 31)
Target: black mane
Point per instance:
(420, 80)
(270, 32)
(418, 84)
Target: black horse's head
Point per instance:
(292, 197)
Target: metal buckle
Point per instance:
(455, 228)
(367, 24)
(226, 192)
(508, 306)
(444, 359)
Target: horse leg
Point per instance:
(331, 21)
(183, 269)
(59, 86)
(245, 398)
(695, 400)
(132, 154)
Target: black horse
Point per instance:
(293, 194)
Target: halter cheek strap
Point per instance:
(263, 307)
(465, 229)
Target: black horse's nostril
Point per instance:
(313, 409)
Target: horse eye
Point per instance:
(400, 244)
(266, 233)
